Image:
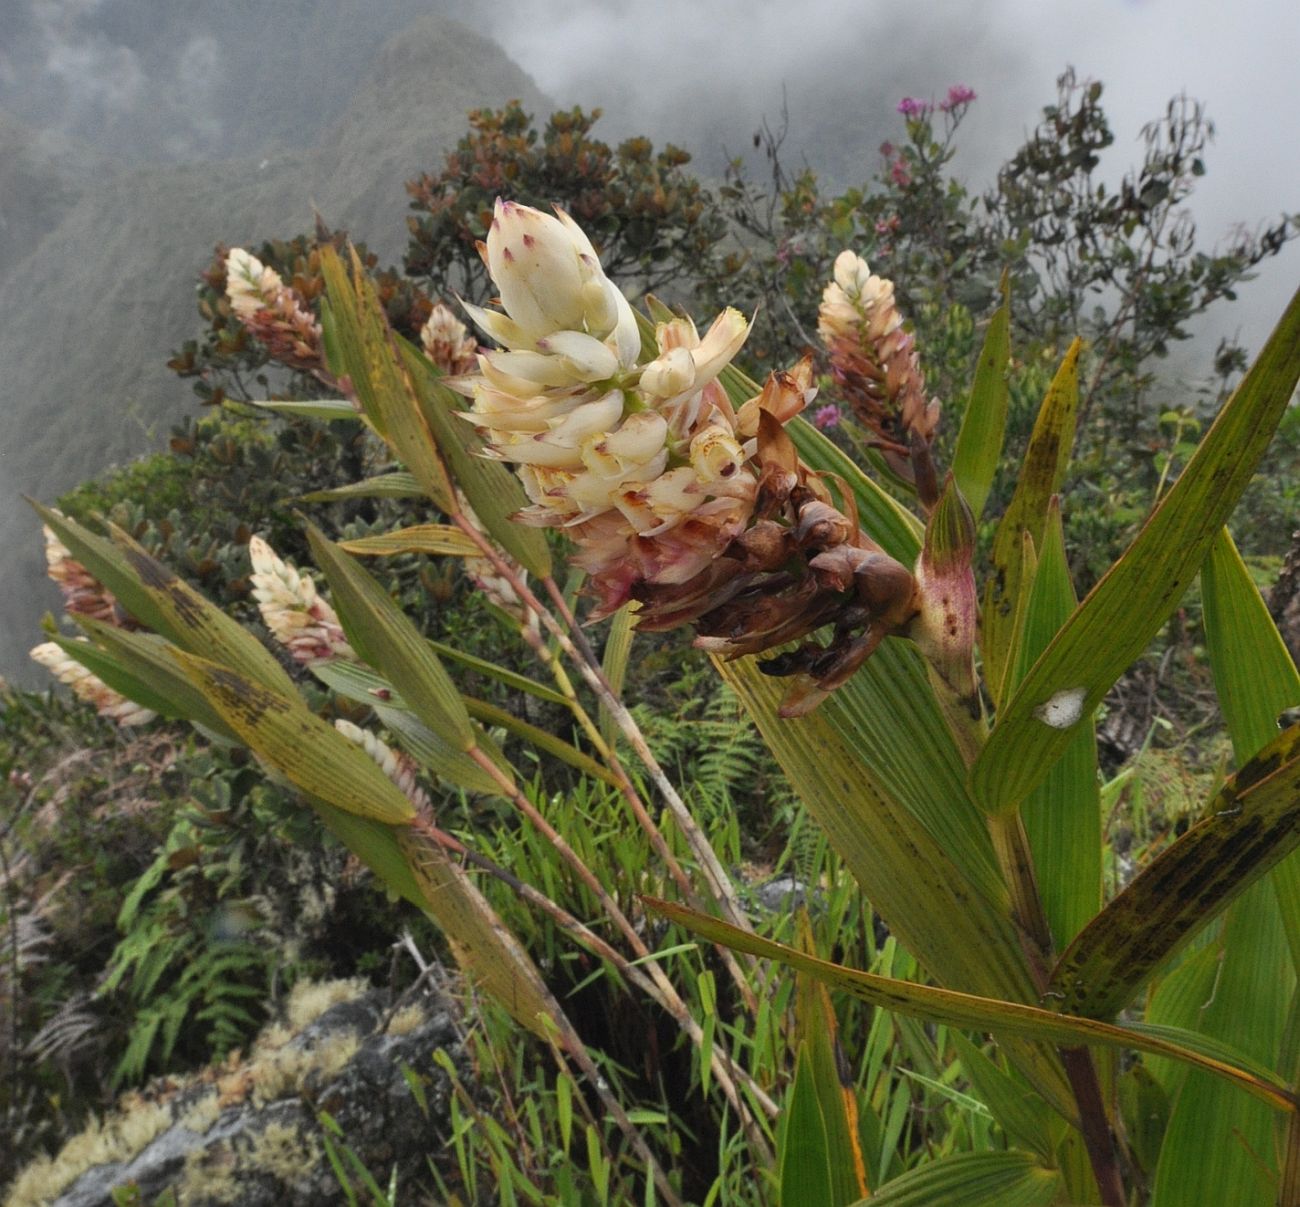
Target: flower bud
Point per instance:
(534, 262)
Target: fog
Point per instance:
(704, 75)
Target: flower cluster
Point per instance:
(874, 363)
(272, 311)
(643, 464)
(293, 610)
(700, 511)
(85, 595)
(958, 96)
(400, 768)
(89, 687)
(447, 342)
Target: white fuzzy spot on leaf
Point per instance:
(1063, 709)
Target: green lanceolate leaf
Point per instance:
(1218, 1145)
(832, 1080)
(1017, 1109)
(386, 638)
(1252, 824)
(1217, 1141)
(983, 426)
(490, 956)
(494, 493)
(161, 601)
(317, 408)
(356, 681)
(310, 754)
(877, 769)
(997, 1179)
(107, 564)
(1121, 614)
(1040, 478)
(1254, 676)
(199, 627)
(122, 678)
(1062, 816)
(142, 667)
(999, 1018)
(432, 539)
(1256, 681)
(376, 844)
(539, 739)
(397, 485)
(804, 1158)
(613, 662)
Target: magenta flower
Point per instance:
(827, 417)
(914, 107)
(958, 94)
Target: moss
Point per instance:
(407, 1019)
(116, 1139)
(287, 1071)
(210, 1175)
(284, 1152)
(203, 1114)
(310, 999)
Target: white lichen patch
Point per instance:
(209, 1177)
(286, 1071)
(203, 1114)
(119, 1138)
(1063, 709)
(407, 1019)
(310, 999)
(282, 1151)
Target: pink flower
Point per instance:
(913, 107)
(827, 417)
(958, 94)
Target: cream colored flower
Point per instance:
(272, 311)
(89, 687)
(293, 610)
(250, 285)
(397, 766)
(83, 594)
(447, 342)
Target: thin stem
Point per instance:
(557, 913)
(720, 885)
(719, 882)
(1095, 1126)
(634, 802)
(667, 995)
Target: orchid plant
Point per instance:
(939, 731)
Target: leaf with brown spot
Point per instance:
(1252, 824)
(310, 754)
(197, 626)
(1041, 476)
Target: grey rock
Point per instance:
(257, 1153)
